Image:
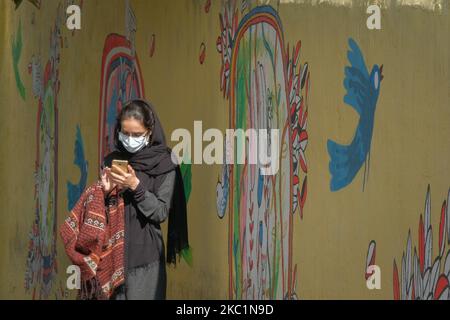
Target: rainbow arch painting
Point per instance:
(267, 88)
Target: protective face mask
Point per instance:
(133, 144)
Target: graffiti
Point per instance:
(121, 80)
(36, 3)
(41, 265)
(74, 190)
(267, 88)
(421, 277)
(16, 53)
(362, 94)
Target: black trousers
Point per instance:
(144, 283)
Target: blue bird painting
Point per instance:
(362, 91)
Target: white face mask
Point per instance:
(133, 144)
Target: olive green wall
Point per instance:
(329, 245)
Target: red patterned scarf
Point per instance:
(93, 236)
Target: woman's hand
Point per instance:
(123, 179)
(108, 185)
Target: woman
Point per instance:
(152, 190)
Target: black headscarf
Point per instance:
(151, 165)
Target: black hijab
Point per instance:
(151, 165)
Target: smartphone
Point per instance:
(122, 164)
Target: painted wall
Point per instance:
(365, 162)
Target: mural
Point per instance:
(363, 90)
(370, 259)
(74, 191)
(121, 80)
(267, 88)
(244, 5)
(130, 26)
(41, 261)
(265, 83)
(422, 277)
(16, 53)
(35, 69)
(222, 191)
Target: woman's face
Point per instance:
(134, 128)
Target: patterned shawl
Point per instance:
(93, 236)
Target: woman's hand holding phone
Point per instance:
(124, 179)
